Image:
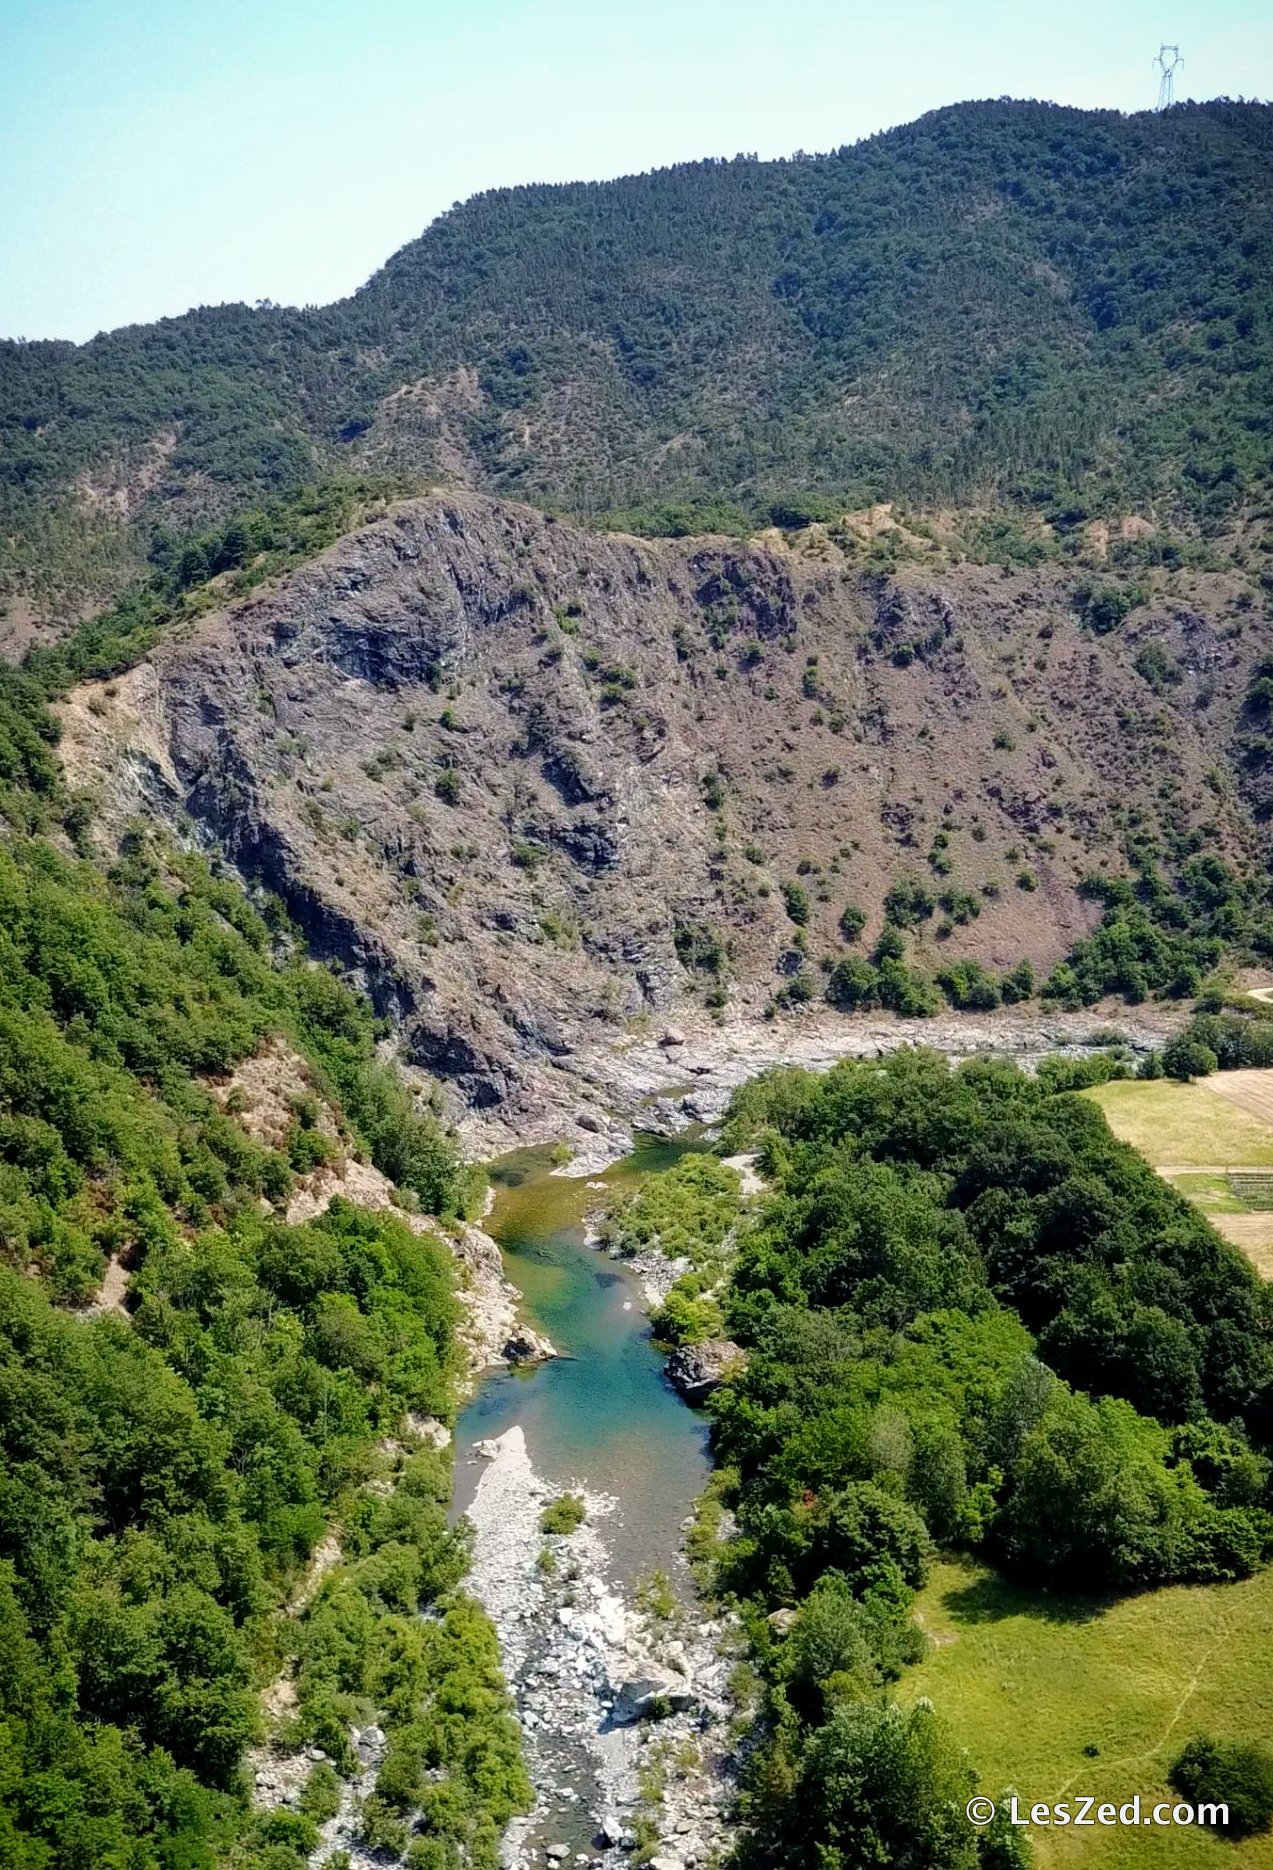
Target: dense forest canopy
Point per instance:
(1001, 301)
(973, 1319)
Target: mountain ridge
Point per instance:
(1012, 303)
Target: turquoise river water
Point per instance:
(601, 1414)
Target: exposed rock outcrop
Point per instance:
(526, 1347)
(538, 788)
(698, 1370)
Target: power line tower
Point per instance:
(1167, 63)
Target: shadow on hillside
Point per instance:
(992, 1599)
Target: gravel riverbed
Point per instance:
(624, 1708)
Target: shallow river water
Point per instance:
(601, 1414)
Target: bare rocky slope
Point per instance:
(531, 782)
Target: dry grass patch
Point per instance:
(1250, 1089)
(1253, 1234)
(1184, 1125)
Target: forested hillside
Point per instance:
(1003, 302)
(195, 1396)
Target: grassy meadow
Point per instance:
(1192, 1133)
(1183, 1125)
(1032, 1680)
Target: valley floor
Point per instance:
(664, 1076)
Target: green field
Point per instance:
(1031, 1680)
(1183, 1125)
(1211, 1193)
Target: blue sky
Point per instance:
(156, 154)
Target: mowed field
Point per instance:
(1193, 1133)
(1031, 1681)
(1187, 1126)
(1249, 1090)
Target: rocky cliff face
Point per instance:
(536, 786)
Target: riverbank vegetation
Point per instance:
(199, 1404)
(974, 1321)
(687, 1214)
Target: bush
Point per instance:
(1017, 984)
(687, 1319)
(798, 991)
(797, 511)
(687, 1212)
(852, 922)
(563, 1515)
(700, 948)
(853, 985)
(1103, 608)
(907, 990)
(1185, 1059)
(796, 899)
(968, 986)
(908, 903)
(1235, 1773)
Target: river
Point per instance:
(601, 1414)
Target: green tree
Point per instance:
(1235, 1773)
(1185, 1059)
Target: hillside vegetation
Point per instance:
(1065, 311)
(197, 1398)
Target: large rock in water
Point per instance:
(698, 1369)
(527, 1347)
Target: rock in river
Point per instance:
(698, 1369)
(526, 1347)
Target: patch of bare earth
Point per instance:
(263, 1091)
(124, 483)
(112, 1293)
(1250, 1089)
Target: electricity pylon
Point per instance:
(1168, 64)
